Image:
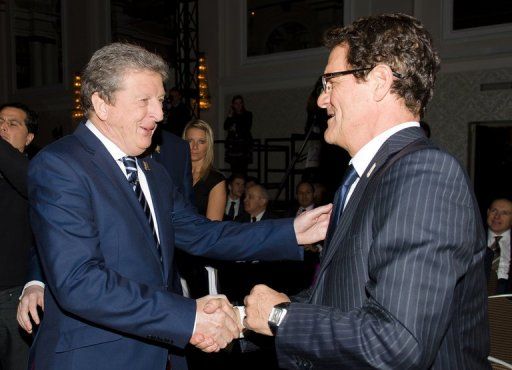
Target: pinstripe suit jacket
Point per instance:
(401, 283)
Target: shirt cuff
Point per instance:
(30, 283)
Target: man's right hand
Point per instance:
(216, 323)
(32, 297)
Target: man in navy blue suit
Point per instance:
(169, 150)
(401, 282)
(106, 222)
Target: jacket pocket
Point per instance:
(83, 337)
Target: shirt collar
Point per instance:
(505, 237)
(112, 148)
(234, 200)
(259, 216)
(364, 156)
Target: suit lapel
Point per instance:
(394, 144)
(103, 160)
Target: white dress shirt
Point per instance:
(118, 154)
(504, 264)
(302, 209)
(364, 156)
(258, 216)
(228, 206)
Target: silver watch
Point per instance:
(277, 316)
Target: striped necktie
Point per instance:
(130, 164)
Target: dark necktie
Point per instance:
(495, 247)
(231, 212)
(130, 163)
(253, 219)
(342, 193)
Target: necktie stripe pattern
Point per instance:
(495, 247)
(130, 164)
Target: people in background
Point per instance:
(305, 197)
(497, 259)
(235, 204)
(238, 124)
(209, 189)
(178, 115)
(209, 184)
(320, 195)
(18, 127)
(255, 204)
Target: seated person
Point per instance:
(235, 204)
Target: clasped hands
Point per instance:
(218, 322)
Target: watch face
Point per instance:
(277, 315)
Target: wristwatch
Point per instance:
(277, 315)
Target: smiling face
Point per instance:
(130, 120)
(198, 143)
(499, 216)
(13, 128)
(348, 103)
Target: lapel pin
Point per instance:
(146, 165)
(157, 149)
(371, 170)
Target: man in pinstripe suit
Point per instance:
(401, 283)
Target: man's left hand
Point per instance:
(258, 306)
(33, 296)
(311, 226)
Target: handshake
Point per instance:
(218, 322)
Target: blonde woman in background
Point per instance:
(209, 184)
(209, 188)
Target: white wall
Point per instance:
(276, 86)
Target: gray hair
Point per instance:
(104, 72)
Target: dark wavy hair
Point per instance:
(399, 41)
(32, 117)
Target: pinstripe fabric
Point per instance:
(401, 282)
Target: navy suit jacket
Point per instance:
(174, 154)
(110, 304)
(171, 152)
(401, 283)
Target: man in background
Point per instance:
(255, 205)
(178, 115)
(235, 204)
(497, 259)
(18, 126)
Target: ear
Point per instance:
(383, 78)
(100, 106)
(29, 139)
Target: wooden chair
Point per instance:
(500, 326)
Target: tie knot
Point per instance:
(253, 219)
(130, 164)
(496, 245)
(350, 176)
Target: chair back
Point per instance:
(500, 327)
